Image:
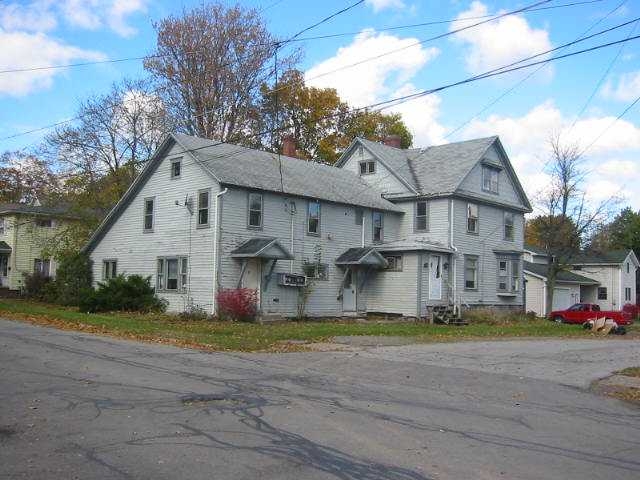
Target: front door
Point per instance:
(4, 270)
(349, 292)
(435, 277)
(253, 277)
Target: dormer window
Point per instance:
(490, 179)
(368, 167)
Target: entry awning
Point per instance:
(366, 256)
(4, 247)
(262, 247)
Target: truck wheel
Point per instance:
(558, 319)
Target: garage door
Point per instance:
(561, 298)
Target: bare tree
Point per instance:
(568, 218)
(114, 135)
(209, 65)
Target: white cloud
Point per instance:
(24, 50)
(379, 5)
(499, 42)
(626, 90)
(373, 80)
(381, 79)
(44, 15)
(34, 17)
(611, 162)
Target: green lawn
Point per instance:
(215, 335)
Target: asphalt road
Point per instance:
(86, 407)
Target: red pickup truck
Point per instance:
(582, 312)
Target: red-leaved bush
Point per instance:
(632, 309)
(237, 304)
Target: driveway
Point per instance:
(79, 406)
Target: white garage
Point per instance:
(565, 294)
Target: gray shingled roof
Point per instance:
(32, 209)
(569, 277)
(245, 167)
(433, 170)
(610, 257)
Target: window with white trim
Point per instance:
(313, 217)
(42, 266)
(2, 228)
(148, 214)
(44, 222)
(472, 218)
(378, 226)
(508, 226)
(470, 272)
(316, 271)
(172, 274)
(394, 263)
(176, 168)
(627, 267)
(254, 214)
(602, 293)
(109, 269)
(368, 167)
(421, 223)
(490, 179)
(508, 275)
(627, 293)
(203, 208)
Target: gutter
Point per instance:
(216, 241)
(455, 250)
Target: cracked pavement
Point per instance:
(74, 405)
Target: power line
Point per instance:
(441, 22)
(529, 75)
(622, 114)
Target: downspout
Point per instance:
(216, 239)
(363, 217)
(455, 255)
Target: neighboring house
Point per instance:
(608, 279)
(25, 231)
(385, 230)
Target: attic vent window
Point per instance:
(367, 168)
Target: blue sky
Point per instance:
(46, 32)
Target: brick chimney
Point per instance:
(392, 141)
(289, 146)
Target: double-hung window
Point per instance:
(378, 226)
(254, 215)
(508, 226)
(44, 222)
(172, 273)
(313, 217)
(109, 269)
(316, 271)
(2, 226)
(627, 293)
(472, 218)
(508, 275)
(421, 222)
(470, 272)
(176, 168)
(203, 208)
(148, 214)
(490, 179)
(42, 267)
(602, 293)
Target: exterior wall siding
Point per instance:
(609, 277)
(535, 295)
(394, 292)
(175, 232)
(490, 237)
(437, 221)
(338, 232)
(628, 281)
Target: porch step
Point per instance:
(446, 315)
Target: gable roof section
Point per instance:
(612, 257)
(436, 170)
(255, 169)
(541, 270)
(259, 247)
(23, 208)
